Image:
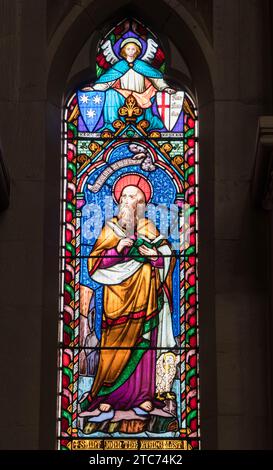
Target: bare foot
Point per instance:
(104, 407)
(146, 406)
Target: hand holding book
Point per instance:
(143, 250)
(123, 243)
(150, 253)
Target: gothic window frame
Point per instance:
(191, 435)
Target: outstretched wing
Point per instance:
(108, 52)
(152, 47)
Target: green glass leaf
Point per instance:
(70, 290)
(190, 251)
(162, 67)
(99, 70)
(189, 375)
(190, 291)
(188, 172)
(69, 331)
(189, 333)
(72, 128)
(69, 373)
(190, 416)
(70, 248)
(68, 416)
(72, 167)
(71, 207)
(189, 133)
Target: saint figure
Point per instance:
(133, 262)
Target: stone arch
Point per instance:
(175, 22)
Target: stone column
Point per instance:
(262, 192)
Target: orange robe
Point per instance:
(130, 308)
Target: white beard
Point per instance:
(127, 219)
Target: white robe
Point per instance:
(133, 81)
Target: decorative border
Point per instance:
(70, 284)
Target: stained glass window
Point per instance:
(128, 328)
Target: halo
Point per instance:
(132, 179)
(128, 40)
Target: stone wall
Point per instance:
(22, 130)
(241, 94)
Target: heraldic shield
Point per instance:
(91, 105)
(169, 108)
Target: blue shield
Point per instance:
(91, 106)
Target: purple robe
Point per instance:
(140, 386)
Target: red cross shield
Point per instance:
(169, 107)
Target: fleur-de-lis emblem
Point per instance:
(131, 110)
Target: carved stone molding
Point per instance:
(262, 184)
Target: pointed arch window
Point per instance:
(128, 327)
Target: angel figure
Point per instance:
(131, 76)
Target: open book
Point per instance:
(134, 253)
